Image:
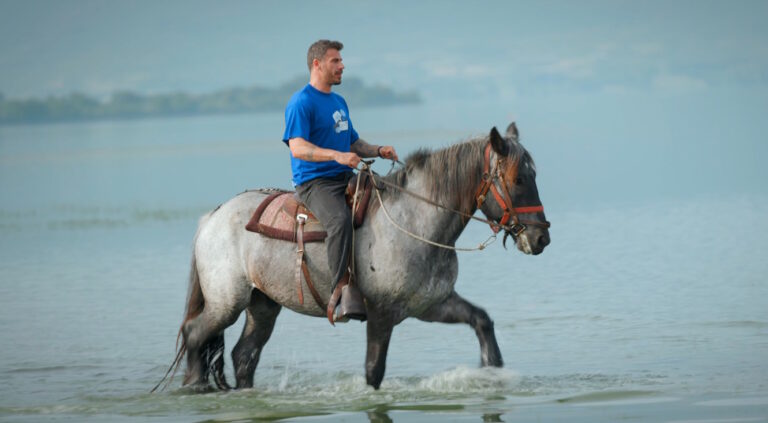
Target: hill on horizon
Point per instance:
(130, 104)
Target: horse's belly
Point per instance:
(411, 295)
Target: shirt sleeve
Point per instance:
(297, 121)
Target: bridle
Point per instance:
(505, 201)
(489, 183)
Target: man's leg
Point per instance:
(324, 197)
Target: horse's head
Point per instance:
(508, 193)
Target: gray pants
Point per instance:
(324, 197)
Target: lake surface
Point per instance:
(643, 308)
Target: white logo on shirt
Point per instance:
(340, 119)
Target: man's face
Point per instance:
(331, 67)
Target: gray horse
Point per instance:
(400, 277)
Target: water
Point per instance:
(650, 309)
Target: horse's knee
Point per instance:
(205, 327)
(194, 339)
(481, 321)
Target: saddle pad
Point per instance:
(276, 218)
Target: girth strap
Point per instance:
(301, 265)
(300, 255)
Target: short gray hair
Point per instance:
(318, 49)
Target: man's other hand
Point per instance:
(388, 152)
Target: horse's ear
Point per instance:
(498, 143)
(512, 131)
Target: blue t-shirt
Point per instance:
(322, 119)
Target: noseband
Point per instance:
(504, 199)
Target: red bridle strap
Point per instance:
(510, 211)
(529, 209)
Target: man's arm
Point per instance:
(305, 150)
(363, 149)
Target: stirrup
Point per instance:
(346, 303)
(352, 305)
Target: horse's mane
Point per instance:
(454, 171)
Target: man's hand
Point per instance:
(348, 159)
(388, 152)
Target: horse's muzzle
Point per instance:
(532, 241)
(540, 241)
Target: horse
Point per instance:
(430, 198)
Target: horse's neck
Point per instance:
(438, 224)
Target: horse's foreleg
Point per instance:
(379, 331)
(458, 310)
(260, 320)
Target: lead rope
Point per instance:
(479, 247)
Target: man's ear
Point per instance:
(498, 144)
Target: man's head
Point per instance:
(324, 61)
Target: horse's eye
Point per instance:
(518, 180)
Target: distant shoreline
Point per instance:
(77, 107)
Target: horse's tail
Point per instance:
(195, 305)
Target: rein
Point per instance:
(517, 228)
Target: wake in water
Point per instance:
(288, 385)
(344, 388)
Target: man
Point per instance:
(324, 149)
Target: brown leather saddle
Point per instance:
(276, 216)
(282, 216)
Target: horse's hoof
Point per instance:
(198, 388)
(221, 383)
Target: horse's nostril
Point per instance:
(543, 240)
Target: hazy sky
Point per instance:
(499, 47)
(622, 96)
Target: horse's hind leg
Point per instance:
(215, 361)
(204, 340)
(458, 310)
(260, 314)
